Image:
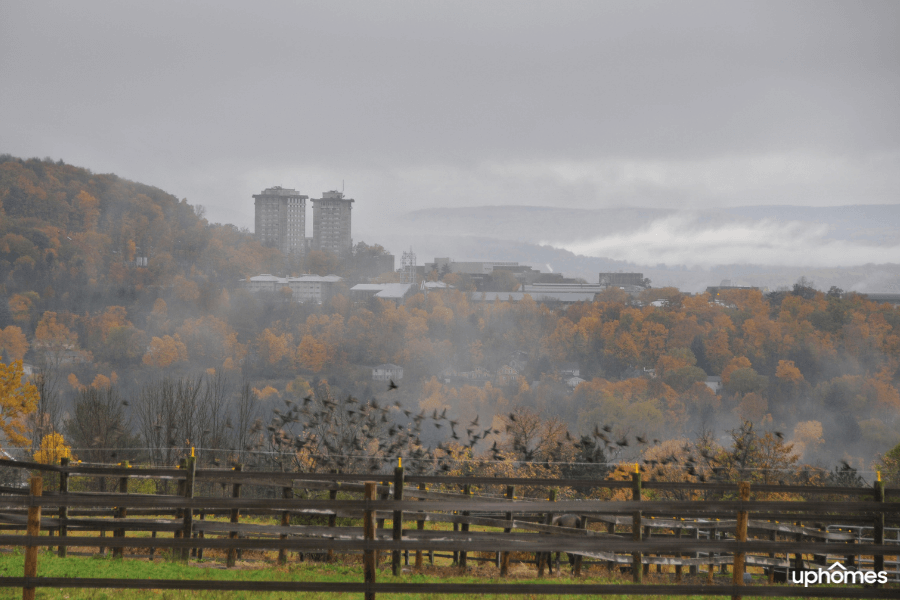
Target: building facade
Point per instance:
(387, 372)
(281, 219)
(331, 223)
(305, 288)
(622, 280)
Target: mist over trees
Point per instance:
(128, 305)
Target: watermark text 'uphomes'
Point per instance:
(839, 576)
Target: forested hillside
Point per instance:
(121, 348)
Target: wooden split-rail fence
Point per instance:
(689, 539)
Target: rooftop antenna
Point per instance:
(342, 187)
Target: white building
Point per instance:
(306, 288)
(387, 372)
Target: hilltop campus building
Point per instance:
(281, 221)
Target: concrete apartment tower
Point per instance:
(331, 223)
(281, 219)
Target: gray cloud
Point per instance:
(683, 240)
(423, 104)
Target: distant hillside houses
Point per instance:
(482, 272)
(305, 288)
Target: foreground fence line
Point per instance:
(524, 526)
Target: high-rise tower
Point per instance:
(331, 223)
(281, 219)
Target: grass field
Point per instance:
(11, 565)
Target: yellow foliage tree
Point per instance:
(787, 372)
(265, 392)
(808, 438)
(13, 343)
(311, 354)
(17, 400)
(20, 306)
(100, 381)
(89, 207)
(53, 447)
(73, 381)
(738, 362)
(273, 347)
(165, 351)
(185, 289)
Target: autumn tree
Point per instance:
(13, 343)
(53, 447)
(18, 399)
(165, 351)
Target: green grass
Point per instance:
(49, 565)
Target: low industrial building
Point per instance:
(396, 292)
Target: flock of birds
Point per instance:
(338, 434)
(342, 433)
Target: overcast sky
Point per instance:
(418, 104)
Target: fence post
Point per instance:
(369, 534)
(287, 493)
(611, 529)
(398, 519)
(710, 574)
(201, 535)
(420, 525)
(34, 530)
(637, 571)
(678, 567)
(504, 556)
(648, 533)
(878, 533)
(188, 512)
(545, 557)
(773, 537)
(235, 518)
(798, 558)
(179, 491)
(121, 513)
(63, 510)
(695, 534)
(576, 568)
(463, 555)
(380, 522)
(332, 521)
(743, 518)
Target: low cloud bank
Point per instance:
(682, 240)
